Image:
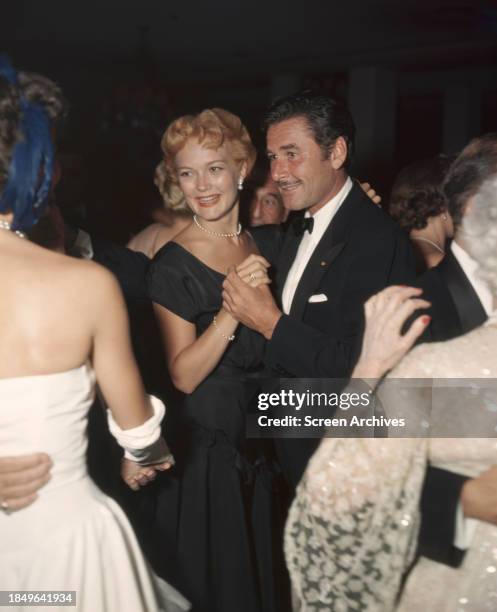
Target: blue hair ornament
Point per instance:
(26, 192)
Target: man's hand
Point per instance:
(479, 497)
(136, 475)
(371, 193)
(21, 478)
(254, 307)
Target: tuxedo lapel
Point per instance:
(469, 308)
(328, 249)
(323, 256)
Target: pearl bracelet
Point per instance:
(228, 338)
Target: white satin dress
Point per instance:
(73, 537)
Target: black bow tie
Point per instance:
(302, 224)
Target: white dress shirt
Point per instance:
(322, 219)
(465, 527)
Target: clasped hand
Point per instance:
(136, 475)
(247, 298)
(253, 271)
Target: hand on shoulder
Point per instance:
(383, 344)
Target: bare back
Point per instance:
(56, 313)
(48, 309)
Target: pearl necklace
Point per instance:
(218, 234)
(434, 244)
(5, 225)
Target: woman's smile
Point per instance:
(207, 201)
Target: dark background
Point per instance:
(419, 76)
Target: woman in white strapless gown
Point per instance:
(73, 538)
(58, 315)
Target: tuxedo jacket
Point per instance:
(455, 310)
(129, 267)
(455, 306)
(361, 252)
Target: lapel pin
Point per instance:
(323, 264)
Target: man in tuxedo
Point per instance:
(460, 302)
(447, 497)
(340, 251)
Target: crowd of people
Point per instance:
(255, 271)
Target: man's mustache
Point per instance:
(284, 184)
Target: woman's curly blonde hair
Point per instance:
(213, 128)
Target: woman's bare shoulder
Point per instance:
(59, 271)
(94, 276)
(166, 233)
(189, 238)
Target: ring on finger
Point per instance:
(252, 276)
(5, 506)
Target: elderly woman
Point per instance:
(215, 510)
(351, 532)
(418, 205)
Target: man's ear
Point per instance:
(339, 152)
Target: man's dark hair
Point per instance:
(327, 119)
(476, 163)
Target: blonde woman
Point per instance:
(215, 510)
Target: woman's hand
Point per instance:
(479, 496)
(253, 270)
(136, 475)
(383, 345)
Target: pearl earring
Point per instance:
(240, 183)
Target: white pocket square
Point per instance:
(320, 297)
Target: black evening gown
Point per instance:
(214, 511)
